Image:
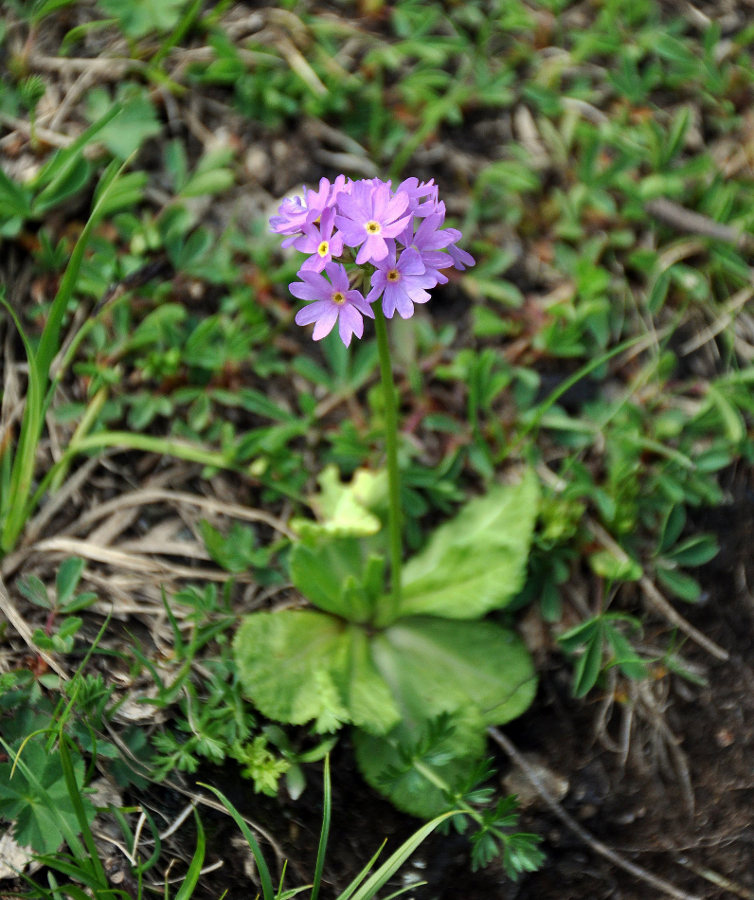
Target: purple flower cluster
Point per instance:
(395, 239)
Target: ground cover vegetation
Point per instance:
(254, 583)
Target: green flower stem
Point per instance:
(391, 446)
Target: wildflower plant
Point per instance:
(392, 656)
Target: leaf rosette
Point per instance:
(358, 659)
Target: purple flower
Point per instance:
(291, 216)
(461, 259)
(320, 242)
(430, 240)
(416, 190)
(334, 300)
(398, 233)
(368, 216)
(295, 213)
(401, 283)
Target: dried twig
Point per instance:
(717, 879)
(691, 222)
(603, 850)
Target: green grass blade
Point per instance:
(49, 343)
(62, 157)
(93, 863)
(268, 891)
(391, 865)
(405, 890)
(39, 373)
(22, 469)
(353, 886)
(73, 890)
(325, 832)
(73, 870)
(194, 870)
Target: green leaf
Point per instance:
(14, 199)
(695, 551)
(136, 121)
(579, 634)
(32, 587)
(672, 527)
(629, 661)
(683, 586)
(301, 665)
(36, 798)
(477, 561)
(588, 665)
(416, 773)
(69, 574)
(434, 665)
(128, 191)
(328, 572)
(345, 510)
(608, 565)
(367, 696)
(285, 663)
(235, 551)
(213, 182)
(138, 17)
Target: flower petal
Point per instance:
(350, 322)
(397, 206)
(304, 291)
(312, 312)
(363, 305)
(324, 324)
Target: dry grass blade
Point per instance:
(739, 299)
(132, 561)
(149, 496)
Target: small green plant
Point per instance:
(65, 602)
(602, 643)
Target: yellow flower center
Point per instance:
(339, 297)
(373, 227)
(323, 249)
(393, 275)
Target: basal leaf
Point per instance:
(434, 666)
(477, 672)
(476, 562)
(366, 694)
(329, 572)
(301, 665)
(285, 663)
